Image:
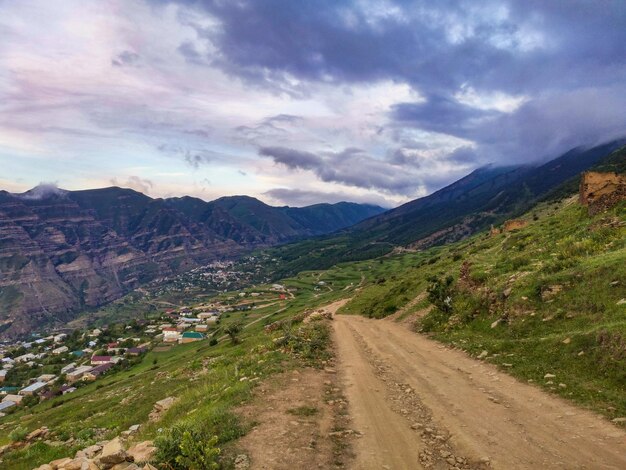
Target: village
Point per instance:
(63, 361)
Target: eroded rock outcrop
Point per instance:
(601, 191)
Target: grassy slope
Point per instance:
(579, 333)
(205, 379)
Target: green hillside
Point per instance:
(546, 303)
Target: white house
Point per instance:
(60, 350)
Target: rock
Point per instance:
(60, 462)
(160, 407)
(91, 451)
(619, 420)
(507, 292)
(112, 453)
(621, 302)
(165, 404)
(125, 466)
(506, 364)
(483, 354)
(562, 385)
(134, 428)
(142, 452)
(149, 467)
(496, 323)
(37, 433)
(549, 376)
(581, 353)
(567, 340)
(330, 370)
(45, 466)
(242, 462)
(77, 464)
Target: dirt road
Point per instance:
(419, 404)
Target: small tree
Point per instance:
(233, 331)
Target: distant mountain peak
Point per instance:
(43, 191)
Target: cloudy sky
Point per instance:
(305, 101)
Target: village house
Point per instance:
(170, 335)
(60, 350)
(17, 399)
(96, 372)
(202, 328)
(99, 360)
(3, 375)
(77, 373)
(65, 389)
(33, 388)
(191, 336)
(25, 357)
(95, 333)
(136, 351)
(68, 368)
(47, 378)
(59, 338)
(5, 405)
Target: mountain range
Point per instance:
(487, 196)
(62, 251)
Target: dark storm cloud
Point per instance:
(352, 167)
(441, 114)
(549, 52)
(294, 159)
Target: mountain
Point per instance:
(486, 196)
(250, 221)
(62, 251)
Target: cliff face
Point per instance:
(62, 251)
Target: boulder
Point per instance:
(125, 466)
(37, 433)
(76, 464)
(142, 452)
(91, 451)
(165, 404)
(149, 467)
(113, 453)
(58, 463)
(45, 466)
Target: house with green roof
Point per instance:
(191, 336)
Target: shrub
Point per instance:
(197, 455)
(18, 434)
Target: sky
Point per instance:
(300, 102)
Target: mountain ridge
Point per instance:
(65, 251)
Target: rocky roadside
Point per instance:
(114, 454)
